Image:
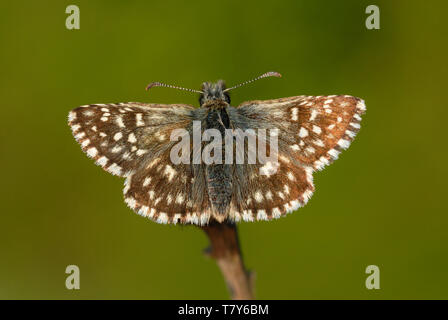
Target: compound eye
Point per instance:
(201, 99)
(227, 97)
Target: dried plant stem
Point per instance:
(225, 249)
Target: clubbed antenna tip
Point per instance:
(272, 74)
(264, 75)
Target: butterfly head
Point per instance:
(213, 93)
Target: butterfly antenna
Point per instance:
(160, 84)
(264, 75)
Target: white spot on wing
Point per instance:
(119, 121)
(179, 198)
(85, 143)
(80, 135)
(131, 138)
(314, 114)
(141, 152)
(333, 153)
(116, 149)
(247, 215)
(118, 136)
(361, 105)
(269, 168)
(147, 181)
(319, 143)
(261, 215)
(71, 116)
(310, 149)
(307, 195)
(303, 132)
(92, 152)
(88, 113)
(276, 213)
(131, 202)
(114, 169)
(258, 196)
(102, 161)
(169, 172)
(163, 218)
(295, 114)
(344, 143)
(143, 211)
(169, 199)
(290, 176)
(139, 120)
(350, 133)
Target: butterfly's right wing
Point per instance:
(312, 131)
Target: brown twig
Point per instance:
(225, 249)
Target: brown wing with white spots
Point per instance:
(312, 131)
(168, 193)
(271, 196)
(315, 129)
(121, 137)
(132, 140)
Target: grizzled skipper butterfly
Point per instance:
(135, 140)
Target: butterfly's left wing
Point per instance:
(132, 140)
(312, 131)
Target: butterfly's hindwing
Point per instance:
(168, 193)
(266, 197)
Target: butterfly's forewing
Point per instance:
(312, 133)
(315, 129)
(121, 137)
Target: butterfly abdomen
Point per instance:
(219, 186)
(219, 177)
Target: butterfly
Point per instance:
(134, 140)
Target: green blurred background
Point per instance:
(382, 203)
